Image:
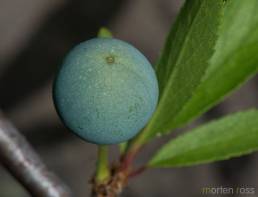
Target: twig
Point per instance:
(24, 164)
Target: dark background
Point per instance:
(36, 34)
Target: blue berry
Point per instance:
(105, 91)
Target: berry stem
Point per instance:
(102, 171)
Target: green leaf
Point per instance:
(184, 60)
(228, 137)
(234, 61)
(104, 33)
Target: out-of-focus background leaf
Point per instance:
(35, 36)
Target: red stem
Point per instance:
(137, 172)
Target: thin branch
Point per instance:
(25, 165)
